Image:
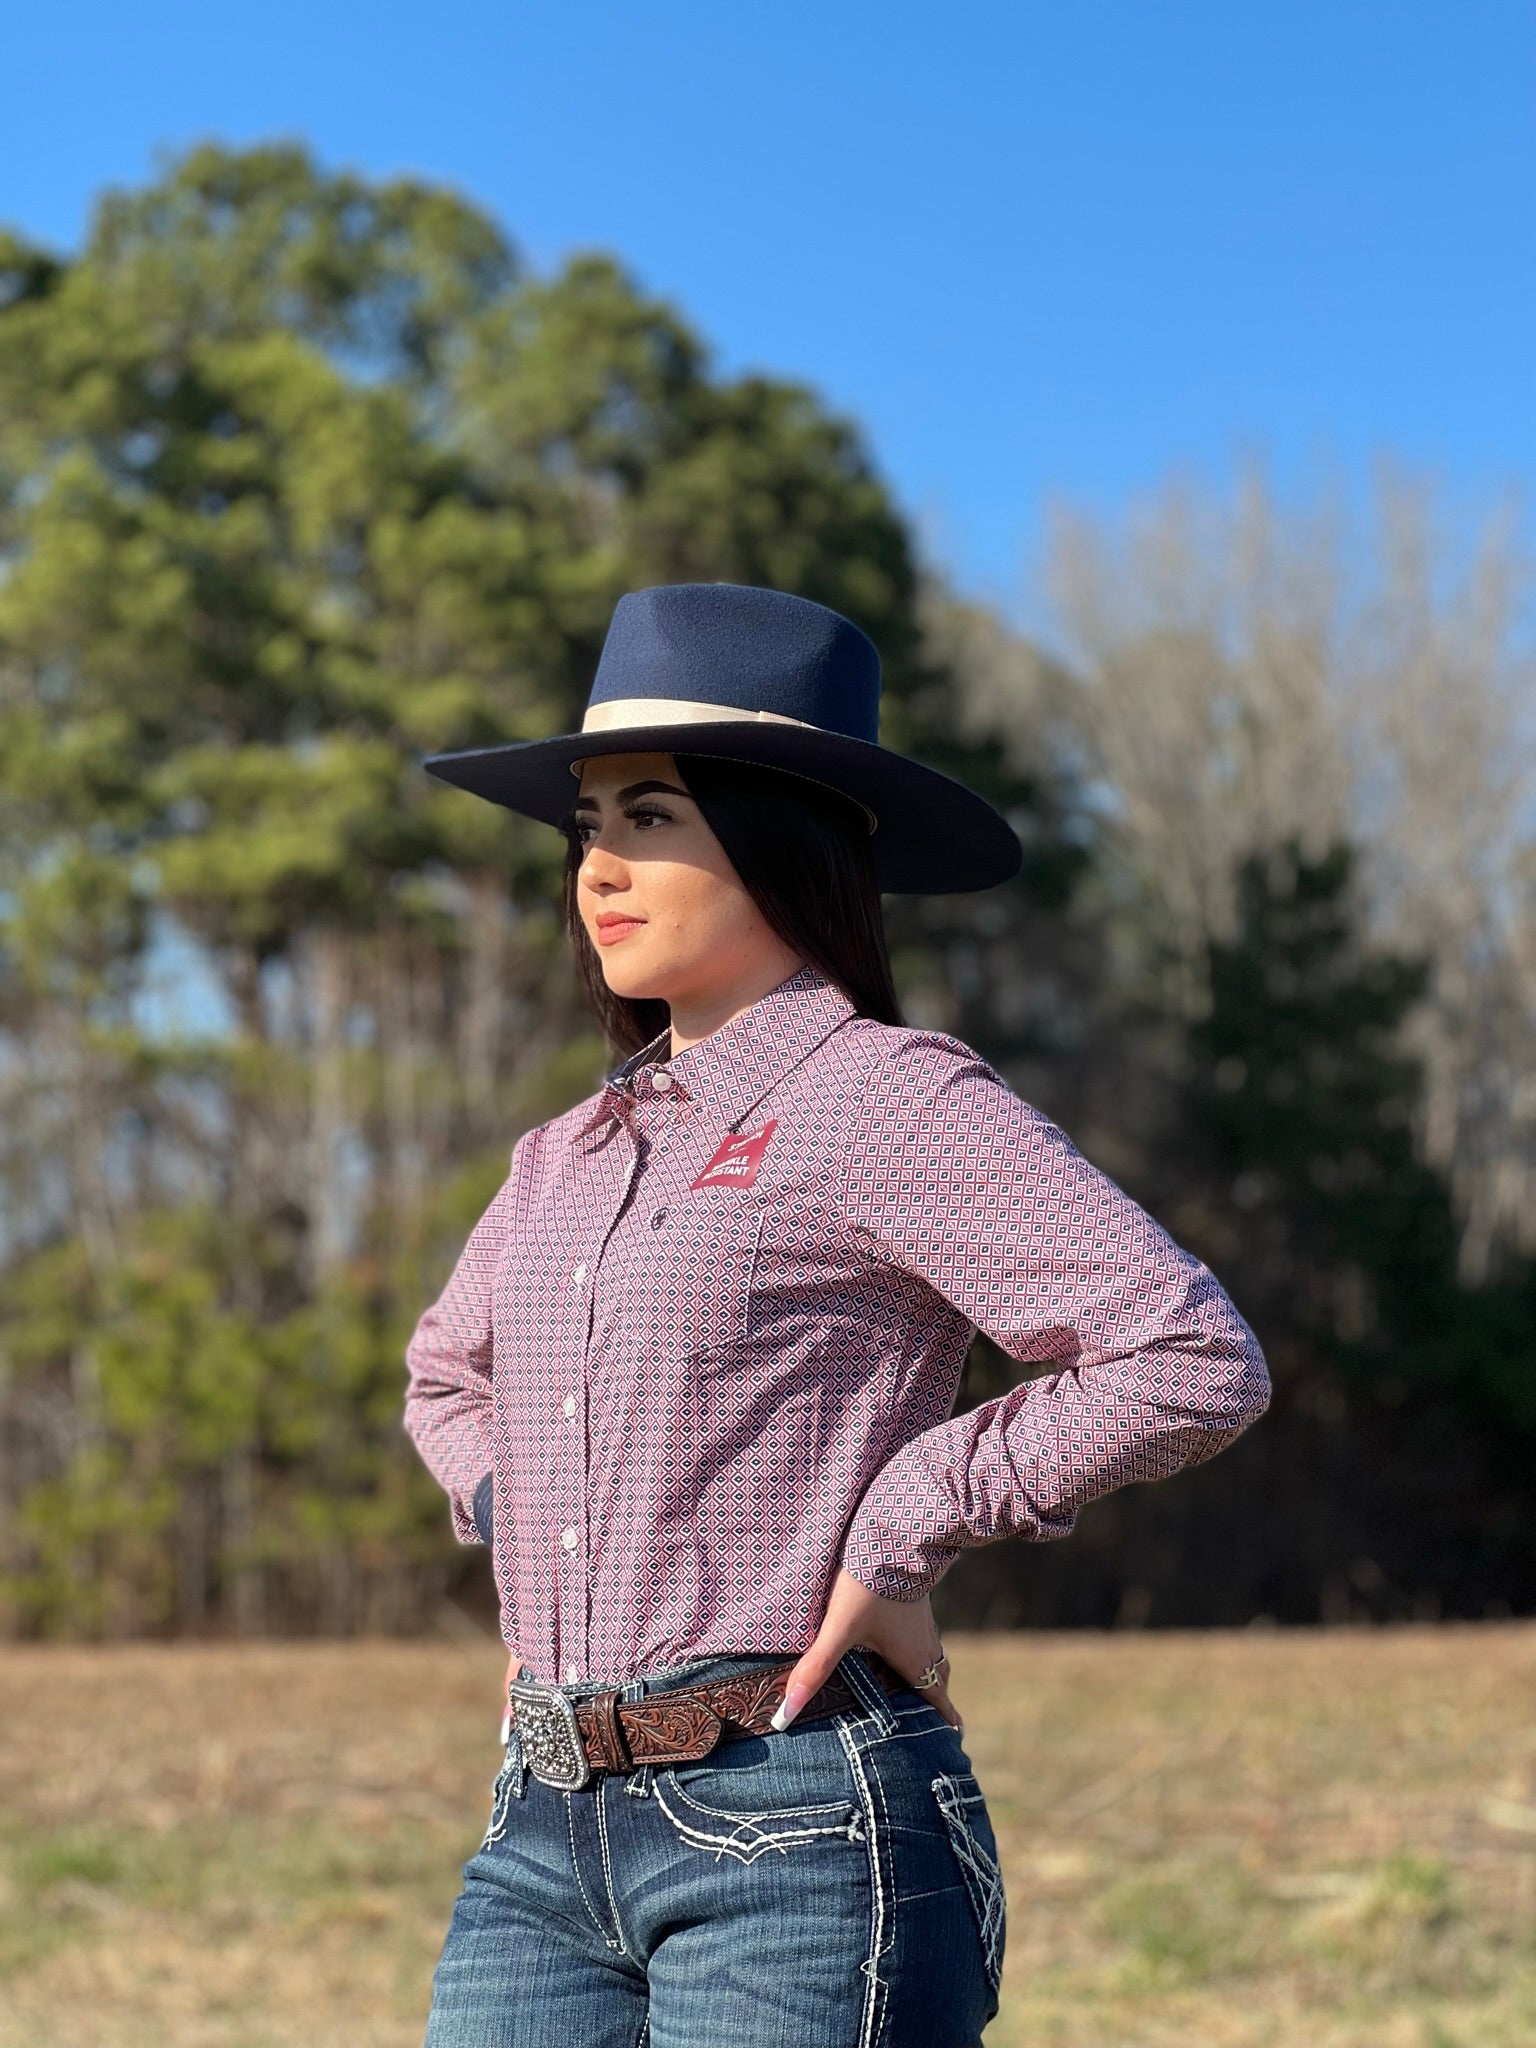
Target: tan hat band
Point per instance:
(623, 714)
(620, 712)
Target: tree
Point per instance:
(302, 477)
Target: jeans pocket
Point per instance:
(961, 1802)
(719, 1830)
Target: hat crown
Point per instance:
(745, 650)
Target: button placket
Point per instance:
(659, 1110)
(568, 1472)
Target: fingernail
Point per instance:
(795, 1697)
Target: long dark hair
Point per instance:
(802, 853)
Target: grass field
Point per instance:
(1257, 1840)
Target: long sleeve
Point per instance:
(448, 1360)
(960, 1183)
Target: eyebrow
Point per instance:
(632, 789)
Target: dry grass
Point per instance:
(1277, 1840)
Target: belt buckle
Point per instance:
(549, 1735)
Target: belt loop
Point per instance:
(866, 1688)
(518, 1783)
(607, 1732)
(637, 1783)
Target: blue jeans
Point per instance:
(834, 1886)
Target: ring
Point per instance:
(930, 1675)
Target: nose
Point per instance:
(601, 866)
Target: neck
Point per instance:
(700, 1013)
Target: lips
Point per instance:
(613, 926)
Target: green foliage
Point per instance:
(300, 478)
(1302, 1087)
(1300, 1076)
(182, 1397)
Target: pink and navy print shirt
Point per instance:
(708, 1335)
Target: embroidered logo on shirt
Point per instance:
(737, 1160)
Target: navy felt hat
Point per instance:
(754, 675)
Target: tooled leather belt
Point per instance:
(564, 1740)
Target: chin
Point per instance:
(628, 978)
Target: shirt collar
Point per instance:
(725, 1074)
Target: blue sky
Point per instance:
(1035, 250)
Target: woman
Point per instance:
(692, 1378)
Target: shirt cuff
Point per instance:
(484, 1506)
(896, 1567)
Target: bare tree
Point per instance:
(1237, 678)
(1442, 722)
(1202, 650)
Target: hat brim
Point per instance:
(932, 836)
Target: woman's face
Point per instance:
(660, 901)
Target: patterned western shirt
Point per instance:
(707, 1337)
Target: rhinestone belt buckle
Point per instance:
(550, 1738)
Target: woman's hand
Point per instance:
(903, 1631)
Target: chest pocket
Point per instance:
(707, 1252)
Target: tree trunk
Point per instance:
(397, 1073)
(480, 1026)
(330, 971)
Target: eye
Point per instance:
(577, 829)
(641, 815)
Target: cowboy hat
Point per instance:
(754, 675)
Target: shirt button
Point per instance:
(569, 1538)
(572, 1673)
(570, 1404)
(580, 1276)
(661, 1080)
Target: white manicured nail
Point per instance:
(794, 1699)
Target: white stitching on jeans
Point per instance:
(747, 1841)
(501, 1795)
(983, 1879)
(874, 1700)
(581, 1883)
(778, 1812)
(874, 1998)
(602, 1843)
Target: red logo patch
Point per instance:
(737, 1160)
